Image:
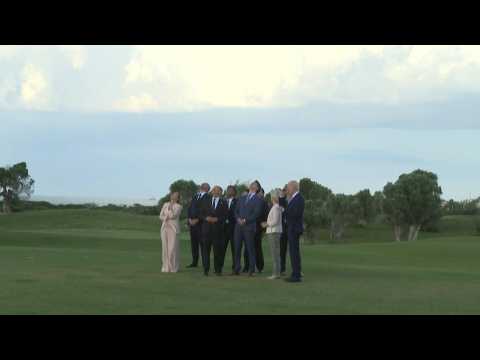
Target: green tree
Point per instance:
(316, 197)
(378, 199)
(433, 223)
(311, 190)
(342, 210)
(476, 222)
(366, 206)
(464, 207)
(241, 187)
(413, 201)
(15, 182)
(393, 205)
(186, 189)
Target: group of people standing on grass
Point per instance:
(217, 222)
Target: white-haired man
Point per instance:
(294, 219)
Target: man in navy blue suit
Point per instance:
(282, 201)
(294, 219)
(247, 210)
(195, 223)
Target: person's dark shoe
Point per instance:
(191, 266)
(205, 273)
(235, 273)
(251, 274)
(218, 273)
(283, 273)
(245, 270)
(293, 280)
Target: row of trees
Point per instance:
(324, 209)
(466, 207)
(410, 203)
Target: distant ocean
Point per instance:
(62, 200)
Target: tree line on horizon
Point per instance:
(409, 205)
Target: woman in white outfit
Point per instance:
(274, 230)
(169, 216)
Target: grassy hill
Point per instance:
(92, 261)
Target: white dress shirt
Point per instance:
(294, 194)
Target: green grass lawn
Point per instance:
(101, 262)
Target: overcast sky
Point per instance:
(128, 120)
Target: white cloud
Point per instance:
(7, 92)
(143, 102)
(77, 55)
(233, 75)
(34, 88)
(186, 78)
(7, 51)
(396, 74)
(245, 76)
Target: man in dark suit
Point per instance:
(247, 211)
(260, 231)
(195, 223)
(214, 211)
(282, 201)
(260, 262)
(230, 222)
(294, 217)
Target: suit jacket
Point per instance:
(231, 212)
(249, 210)
(294, 214)
(282, 201)
(274, 219)
(263, 215)
(220, 212)
(194, 208)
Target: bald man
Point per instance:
(213, 214)
(294, 220)
(195, 223)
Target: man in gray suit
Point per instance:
(247, 210)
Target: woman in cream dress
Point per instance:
(169, 216)
(274, 231)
